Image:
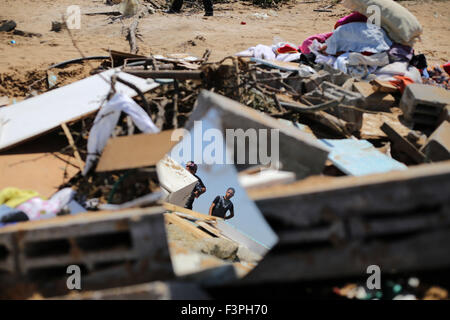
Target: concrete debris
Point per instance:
(422, 104)
(437, 147)
(358, 172)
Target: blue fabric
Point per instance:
(358, 37)
(4, 210)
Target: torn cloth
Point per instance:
(107, 119)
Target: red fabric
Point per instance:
(322, 37)
(401, 82)
(353, 17)
(286, 49)
(447, 67)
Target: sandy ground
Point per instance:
(162, 33)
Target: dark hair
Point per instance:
(191, 164)
(232, 189)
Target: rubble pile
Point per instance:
(363, 174)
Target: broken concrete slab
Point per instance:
(402, 144)
(135, 151)
(372, 123)
(423, 104)
(375, 101)
(18, 122)
(437, 147)
(359, 157)
(298, 151)
(330, 91)
(133, 241)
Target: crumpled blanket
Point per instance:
(358, 37)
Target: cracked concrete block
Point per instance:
(437, 147)
(423, 104)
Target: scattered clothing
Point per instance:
(8, 214)
(221, 206)
(281, 51)
(378, 60)
(419, 61)
(447, 67)
(388, 72)
(437, 77)
(401, 82)
(286, 48)
(37, 208)
(400, 52)
(308, 58)
(358, 37)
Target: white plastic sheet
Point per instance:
(106, 120)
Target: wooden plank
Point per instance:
(147, 150)
(211, 229)
(403, 144)
(175, 208)
(186, 226)
(383, 86)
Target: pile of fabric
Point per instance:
(374, 42)
(22, 205)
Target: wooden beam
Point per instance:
(211, 229)
(175, 208)
(186, 226)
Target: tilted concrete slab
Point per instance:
(298, 151)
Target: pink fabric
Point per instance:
(352, 17)
(322, 37)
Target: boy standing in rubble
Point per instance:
(199, 188)
(221, 205)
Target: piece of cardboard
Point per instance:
(136, 151)
(43, 172)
